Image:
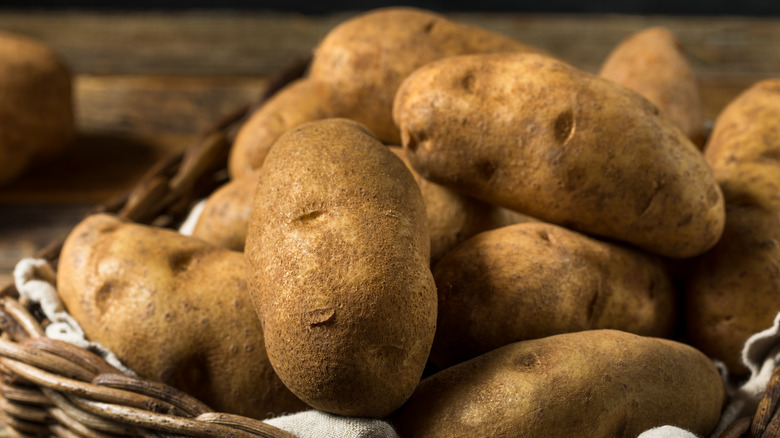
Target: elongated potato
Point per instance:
(532, 280)
(362, 61)
(454, 217)
(36, 105)
(297, 103)
(225, 215)
(652, 63)
(540, 137)
(175, 310)
(600, 383)
(338, 253)
(746, 130)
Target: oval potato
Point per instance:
(652, 63)
(297, 103)
(746, 130)
(535, 135)
(36, 108)
(175, 310)
(532, 280)
(362, 61)
(454, 217)
(600, 383)
(338, 253)
(223, 221)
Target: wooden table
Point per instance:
(146, 83)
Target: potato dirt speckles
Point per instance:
(597, 383)
(174, 309)
(545, 139)
(362, 61)
(338, 263)
(532, 280)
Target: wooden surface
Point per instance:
(147, 83)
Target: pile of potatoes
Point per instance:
(459, 232)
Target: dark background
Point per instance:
(662, 7)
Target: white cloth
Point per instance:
(35, 280)
(317, 424)
(188, 226)
(761, 354)
(667, 432)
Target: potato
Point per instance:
(652, 63)
(175, 310)
(731, 291)
(540, 137)
(337, 253)
(600, 383)
(293, 105)
(36, 108)
(453, 217)
(225, 215)
(362, 61)
(532, 280)
(746, 130)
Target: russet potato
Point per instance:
(532, 280)
(338, 263)
(596, 384)
(175, 310)
(653, 63)
(361, 62)
(538, 136)
(36, 105)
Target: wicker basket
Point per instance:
(52, 388)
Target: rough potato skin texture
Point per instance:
(175, 310)
(652, 63)
(600, 383)
(532, 280)
(338, 254)
(540, 137)
(362, 61)
(746, 130)
(297, 103)
(225, 215)
(36, 108)
(732, 291)
(454, 217)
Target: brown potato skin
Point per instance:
(337, 257)
(362, 61)
(454, 217)
(600, 383)
(297, 103)
(731, 293)
(175, 310)
(652, 63)
(532, 280)
(36, 109)
(225, 215)
(540, 137)
(746, 130)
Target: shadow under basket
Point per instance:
(52, 388)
